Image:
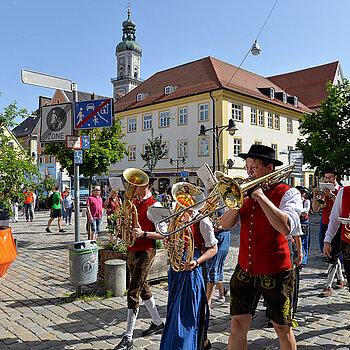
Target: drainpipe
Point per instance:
(214, 123)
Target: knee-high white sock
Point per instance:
(152, 309)
(130, 325)
(340, 276)
(331, 273)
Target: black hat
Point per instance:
(151, 178)
(303, 189)
(330, 170)
(261, 152)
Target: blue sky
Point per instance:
(77, 39)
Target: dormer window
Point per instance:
(268, 91)
(293, 100)
(281, 95)
(169, 89)
(139, 97)
(272, 93)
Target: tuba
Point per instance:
(133, 178)
(186, 195)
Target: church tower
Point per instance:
(128, 54)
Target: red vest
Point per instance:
(197, 236)
(146, 225)
(262, 250)
(326, 211)
(345, 211)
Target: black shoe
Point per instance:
(61, 230)
(208, 346)
(125, 344)
(48, 230)
(153, 329)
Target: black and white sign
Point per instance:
(56, 122)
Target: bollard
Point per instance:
(115, 276)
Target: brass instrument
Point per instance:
(134, 178)
(185, 195)
(320, 201)
(231, 193)
(346, 223)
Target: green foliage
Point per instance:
(44, 187)
(9, 114)
(154, 151)
(108, 294)
(327, 131)
(106, 149)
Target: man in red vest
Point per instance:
(341, 209)
(264, 266)
(334, 265)
(139, 259)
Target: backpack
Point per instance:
(49, 202)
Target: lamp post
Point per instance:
(217, 130)
(178, 161)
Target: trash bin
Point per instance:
(83, 262)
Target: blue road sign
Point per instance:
(93, 114)
(78, 156)
(183, 173)
(85, 142)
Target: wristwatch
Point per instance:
(197, 263)
(145, 234)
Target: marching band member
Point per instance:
(139, 259)
(264, 265)
(334, 265)
(341, 208)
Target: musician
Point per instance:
(187, 309)
(334, 265)
(264, 265)
(341, 208)
(139, 259)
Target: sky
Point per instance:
(76, 39)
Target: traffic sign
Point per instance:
(183, 173)
(86, 142)
(93, 114)
(78, 156)
(73, 141)
(56, 122)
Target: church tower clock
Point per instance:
(128, 54)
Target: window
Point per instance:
(182, 148)
(277, 122)
(52, 159)
(167, 90)
(147, 122)
(132, 152)
(237, 146)
(269, 120)
(203, 112)
(253, 116)
(164, 119)
(274, 146)
(257, 142)
(237, 112)
(290, 125)
(203, 147)
(139, 97)
(132, 124)
(261, 118)
(183, 116)
(290, 148)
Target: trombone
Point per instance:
(229, 191)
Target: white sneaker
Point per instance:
(221, 298)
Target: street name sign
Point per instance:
(49, 81)
(73, 141)
(56, 122)
(78, 156)
(93, 114)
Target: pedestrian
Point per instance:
(63, 194)
(187, 308)
(139, 259)
(94, 205)
(55, 211)
(28, 204)
(341, 209)
(14, 207)
(334, 265)
(304, 221)
(215, 265)
(68, 205)
(264, 266)
(112, 206)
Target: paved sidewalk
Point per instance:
(34, 312)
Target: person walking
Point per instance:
(112, 206)
(14, 208)
(334, 265)
(94, 205)
(55, 211)
(264, 266)
(68, 204)
(28, 204)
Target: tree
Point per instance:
(106, 149)
(154, 151)
(10, 113)
(327, 131)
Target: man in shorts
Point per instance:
(264, 266)
(94, 206)
(56, 210)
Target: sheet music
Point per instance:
(328, 185)
(116, 183)
(207, 176)
(159, 213)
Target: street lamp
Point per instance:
(217, 130)
(178, 161)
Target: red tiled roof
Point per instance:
(197, 77)
(308, 84)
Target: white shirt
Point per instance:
(334, 222)
(207, 230)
